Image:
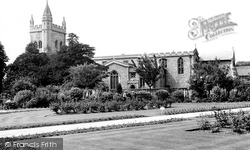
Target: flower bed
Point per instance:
(226, 122)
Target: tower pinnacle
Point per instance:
(47, 15)
(31, 21)
(64, 23)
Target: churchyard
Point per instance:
(46, 93)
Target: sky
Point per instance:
(117, 27)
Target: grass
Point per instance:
(171, 136)
(47, 116)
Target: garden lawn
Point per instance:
(170, 136)
(47, 116)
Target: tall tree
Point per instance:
(76, 53)
(28, 64)
(148, 69)
(3, 59)
(209, 74)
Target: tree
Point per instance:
(119, 88)
(29, 64)
(87, 75)
(148, 69)
(76, 53)
(3, 67)
(73, 54)
(207, 75)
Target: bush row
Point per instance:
(93, 106)
(192, 110)
(218, 94)
(238, 122)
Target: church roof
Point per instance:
(116, 62)
(224, 55)
(243, 63)
(47, 11)
(243, 70)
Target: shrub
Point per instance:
(53, 88)
(22, 97)
(68, 85)
(232, 95)
(43, 98)
(94, 106)
(162, 94)
(76, 94)
(223, 95)
(178, 95)
(204, 124)
(64, 96)
(222, 118)
(241, 122)
(55, 107)
(10, 105)
(106, 96)
(112, 106)
(143, 95)
(119, 88)
(215, 94)
(68, 107)
(218, 94)
(118, 97)
(138, 105)
(21, 85)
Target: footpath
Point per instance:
(39, 130)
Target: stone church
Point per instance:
(177, 68)
(49, 37)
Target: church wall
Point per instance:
(36, 36)
(175, 80)
(122, 74)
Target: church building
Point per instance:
(178, 68)
(49, 37)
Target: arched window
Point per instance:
(40, 44)
(56, 42)
(113, 80)
(35, 43)
(180, 66)
(60, 44)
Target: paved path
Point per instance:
(38, 130)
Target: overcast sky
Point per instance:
(116, 27)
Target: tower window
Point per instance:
(40, 44)
(35, 43)
(180, 66)
(56, 44)
(60, 44)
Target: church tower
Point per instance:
(49, 37)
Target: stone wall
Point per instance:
(122, 74)
(175, 80)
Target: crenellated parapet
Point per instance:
(172, 54)
(58, 28)
(158, 55)
(36, 28)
